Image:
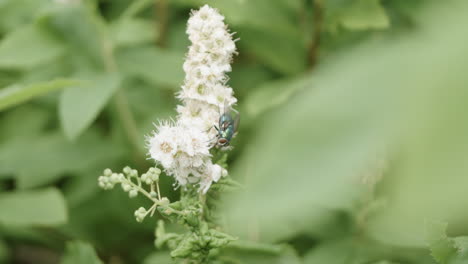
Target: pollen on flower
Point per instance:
(165, 147)
(182, 147)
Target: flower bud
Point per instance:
(133, 193)
(126, 187)
(164, 201)
(107, 172)
(224, 173)
(114, 178)
(127, 170)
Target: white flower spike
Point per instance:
(182, 147)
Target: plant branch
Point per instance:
(135, 7)
(162, 13)
(121, 103)
(318, 17)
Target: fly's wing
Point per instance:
(236, 122)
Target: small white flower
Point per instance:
(163, 144)
(212, 173)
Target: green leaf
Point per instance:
(50, 156)
(29, 46)
(310, 157)
(356, 250)
(429, 172)
(4, 251)
(17, 93)
(285, 53)
(336, 252)
(364, 15)
(33, 208)
(153, 65)
(159, 258)
(16, 13)
(436, 231)
(132, 31)
(273, 94)
(249, 255)
(78, 252)
(80, 105)
(81, 28)
(444, 249)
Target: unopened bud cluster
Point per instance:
(132, 184)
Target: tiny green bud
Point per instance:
(107, 172)
(133, 193)
(140, 214)
(127, 170)
(144, 177)
(134, 173)
(164, 201)
(153, 194)
(126, 187)
(114, 178)
(155, 177)
(154, 171)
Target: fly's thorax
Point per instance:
(228, 132)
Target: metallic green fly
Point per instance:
(228, 125)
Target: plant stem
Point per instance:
(135, 7)
(162, 13)
(318, 17)
(121, 103)
(128, 122)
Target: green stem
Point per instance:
(135, 7)
(128, 122)
(120, 101)
(162, 13)
(318, 16)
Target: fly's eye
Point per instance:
(222, 141)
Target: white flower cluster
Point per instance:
(182, 147)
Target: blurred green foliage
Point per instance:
(352, 147)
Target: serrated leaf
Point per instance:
(33, 208)
(78, 252)
(18, 93)
(153, 65)
(29, 46)
(80, 105)
(446, 250)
